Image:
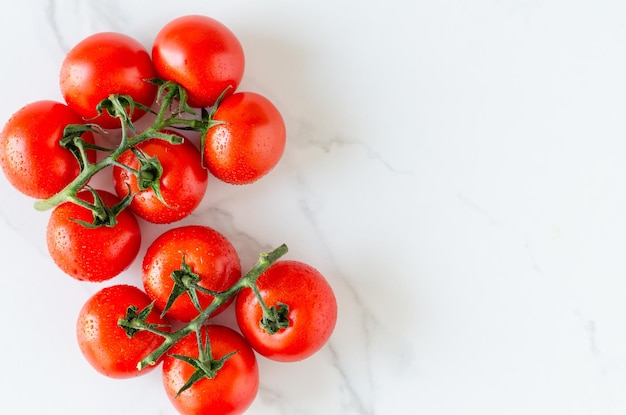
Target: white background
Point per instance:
(456, 169)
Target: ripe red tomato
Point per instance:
(312, 311)
(234, 386)
(92, 254)
(103, 64)
(202, 55)
(207, 253)
(104, 343)
(30, 154)
(182, 183)
(250, 141)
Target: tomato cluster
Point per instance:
(285, 310)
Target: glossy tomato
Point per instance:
(233, 387)
(103, 64)
(202, 55)
(30, 154)
(92, 254)
(248, 143)
(211, 260)
(105, 344)
(312, 311)
(182, 181)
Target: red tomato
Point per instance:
(249, 143)
(209, 255)
(30, 154)
(312, 311)
(182, 184)
(104, 343)
(235, 385)
(202, 55)
(103, 64)
(92, 254)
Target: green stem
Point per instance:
(71, 189)
(80, 202)
(91, 169)
(125, 167)
(165, 105)
(246, 281)
(266, 310)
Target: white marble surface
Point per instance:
(457, 170)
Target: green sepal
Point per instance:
(205, 366)
(135, 320)
(275, 319)
(149, 174)
(208, 121)
(173, 91)
(104, 215)
(72, 140)
(185, 281)
(118, 106)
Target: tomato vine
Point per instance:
(173, 112)
(134, 321)
(285, 310)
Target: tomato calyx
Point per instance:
(206, 367)
(122, 107)
(149, 174)
(119, 106)
(185, 282)
(103, 215)
(135, 321)
(275, 318)
(150, 171)
(73, 141)
(171, 92)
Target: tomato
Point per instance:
(92, 254)
(182, 183)
(103, 64)
(104, 344)
(202, 55)
(30, 154)
(208, 254)
(233, 388)
(312, 311)
(248, 143)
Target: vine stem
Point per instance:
(161, 121)
(246, 281)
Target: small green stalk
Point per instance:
(185, 282)
(274, 317)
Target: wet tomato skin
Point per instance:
(31, 156)
(312, 311)
(206, 251)
(183, 182)
(235, 385)
(104, 344)
(92, 254)
(248, 142)
(103, 64)
(202, 55)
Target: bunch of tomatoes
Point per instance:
(285, 310)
